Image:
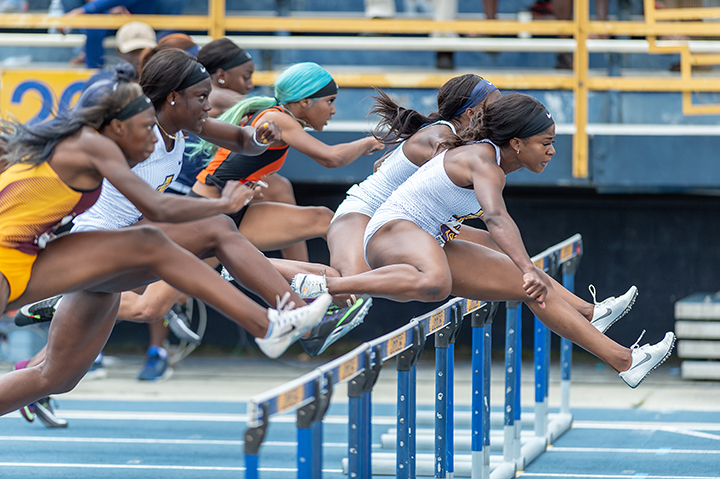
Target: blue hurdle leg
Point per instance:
(511, 327)
(412, 421)
(477, 402)
(487, 350)
(517, 442)
(317, 453)
(354, 442)
(366, 435)
(304, 452)
(441, 368)
(540, 345)
(450, 411)
(402, 468)
(251, 466)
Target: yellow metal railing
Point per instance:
(657, 23)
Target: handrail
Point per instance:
(657, 23)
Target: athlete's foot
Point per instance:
(44, 411)
(309, 286)
(179, 324)
(606, 313)
(646, 358)
(39, 312)
(336, 323)
(288, 325)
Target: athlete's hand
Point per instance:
(268, 132)
(237, 194)
(534, 287)
(373, 145)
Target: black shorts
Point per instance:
(236, 217)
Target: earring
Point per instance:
(221, 81)
(172, 103)
(517, 151)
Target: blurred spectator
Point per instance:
(94, 51)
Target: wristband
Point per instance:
(255, 140)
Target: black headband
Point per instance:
(541, 122)
(330, 89)
(139, 104)
(198, 74)
(241, 57)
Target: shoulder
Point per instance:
(474, 155)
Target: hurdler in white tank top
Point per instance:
(431, 200)
(112, 210)
(366, 197)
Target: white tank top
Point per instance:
(396, 168)
(431, 200)
(112, 210)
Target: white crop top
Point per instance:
(112, 210)
(431, 200)
(396, 168)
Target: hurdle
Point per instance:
(310, 394)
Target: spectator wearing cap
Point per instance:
(132, 39)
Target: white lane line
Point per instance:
(693, 426)
(660, 451)
(153, 467)
(608, 476)
(201, 417)
(194, 442)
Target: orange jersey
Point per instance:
(227, 165)
(34, 202)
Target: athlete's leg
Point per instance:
(217, 236)
(131, 257)
(280, 190)
(271, 226)
(400, 272)
(150, 306)
(345, 242)
(482, 237)
(78, 332)
(481, 273)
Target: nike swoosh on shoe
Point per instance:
(607, 313)
(647, 358)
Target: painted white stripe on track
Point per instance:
(608, 476)
(199, 417)
(676, 426)
(194, 442)
(154, 467)
(661, 451)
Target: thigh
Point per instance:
(84, 260)
(345, 242)
(403, 242)
(482, 273)
(199, 236)
(478, 236)
(271, 226)
(279, 190)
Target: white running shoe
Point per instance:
(609, 311)
(290, 324)
(309, 286)
(646, 358)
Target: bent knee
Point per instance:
(435, 288)
(322, 216)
